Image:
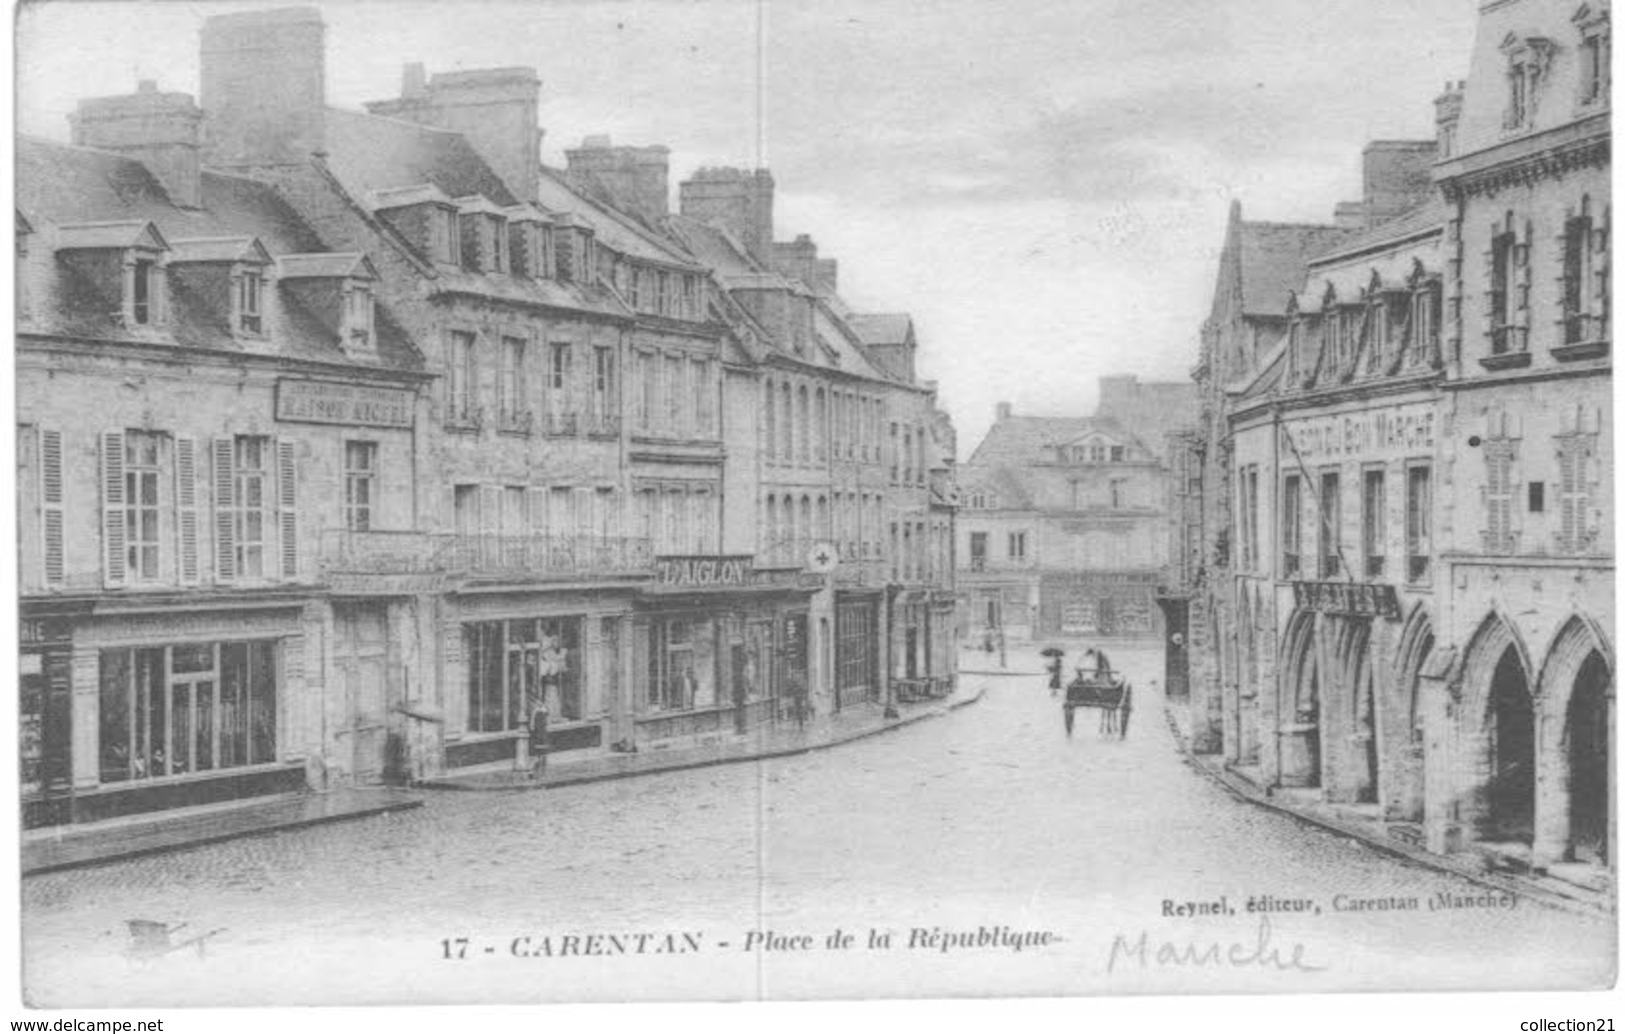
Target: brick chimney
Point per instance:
(160, 130)
(264, 87)
(737, 200)
(635, 178)
(1447, 116)
(799, 259)
(1398, 176)
(495, 108)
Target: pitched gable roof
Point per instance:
(136, 233)
(219, 249)
(1274, 257)
(882, 328)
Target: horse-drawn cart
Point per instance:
(1104, 691)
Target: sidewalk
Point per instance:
(68, 847)
(764, 742)
(1396, 839)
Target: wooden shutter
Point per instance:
(225, 542)
(186, 515)
(113, 544)
(538, 509)
(51, 504)
(287, 502)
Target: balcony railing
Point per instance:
(481, 555)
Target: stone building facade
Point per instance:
(1401, 597)
(1061, 534)
(407, 435)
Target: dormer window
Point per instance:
(1527, 61)
(1593, 54)
(250, 290)
(358, 314)
(229, 273)
(425, 216)
(125, 261)
(338, 289)
(483, 235)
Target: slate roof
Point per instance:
(1156, 409)
(620, 233)
(373, 153)
(1428, 217)
(1008, 482)
(882, 328)
(1274, 257)
(126, 234)
(325, 264)
(218, 249)
(59, 185)
(1020, 440)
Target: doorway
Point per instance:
(1510, 794)
(361, 654)
(1588, 762)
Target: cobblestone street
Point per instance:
(989, 816)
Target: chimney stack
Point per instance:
(160, 130)
(737, 200)
(264, 87)
(636, 179)
(496, 109)
(1447, 116)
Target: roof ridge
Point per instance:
(399, 122)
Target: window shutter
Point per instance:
(51, 504)
(225, 545)
(113, 545)
(186, 515)
(287, 500)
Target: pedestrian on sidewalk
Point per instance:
(1055, 675)
(538, 737)
(1124, 709)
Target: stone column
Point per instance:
(1551, 790)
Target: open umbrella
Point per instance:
(1052, 651)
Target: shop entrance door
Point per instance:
(1511, 790)
(46, 732)
(361, 656)
(911, 660)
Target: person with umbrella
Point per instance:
(1054, 653)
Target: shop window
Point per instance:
(679, 653)
(515, 665)
(175, 710)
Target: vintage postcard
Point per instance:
(606, 502)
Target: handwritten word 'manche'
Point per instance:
(1237, 954)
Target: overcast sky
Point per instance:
(1043, 185)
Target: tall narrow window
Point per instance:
(1331, 526)
(560, 414)
(1291, 526)
(360, 484)
(249, 288)
(1424, 342)
(1498, 535)
(1503, 291)
(1574, 459)
(511, 390)
(704, 399)
(603, 382)
(141, 506)
(1580, 294)
(1372, 524)
(251, 491)
(1594, 69)
(462, 380)
(144, 306)
(1018, 545)
(1418, 522)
